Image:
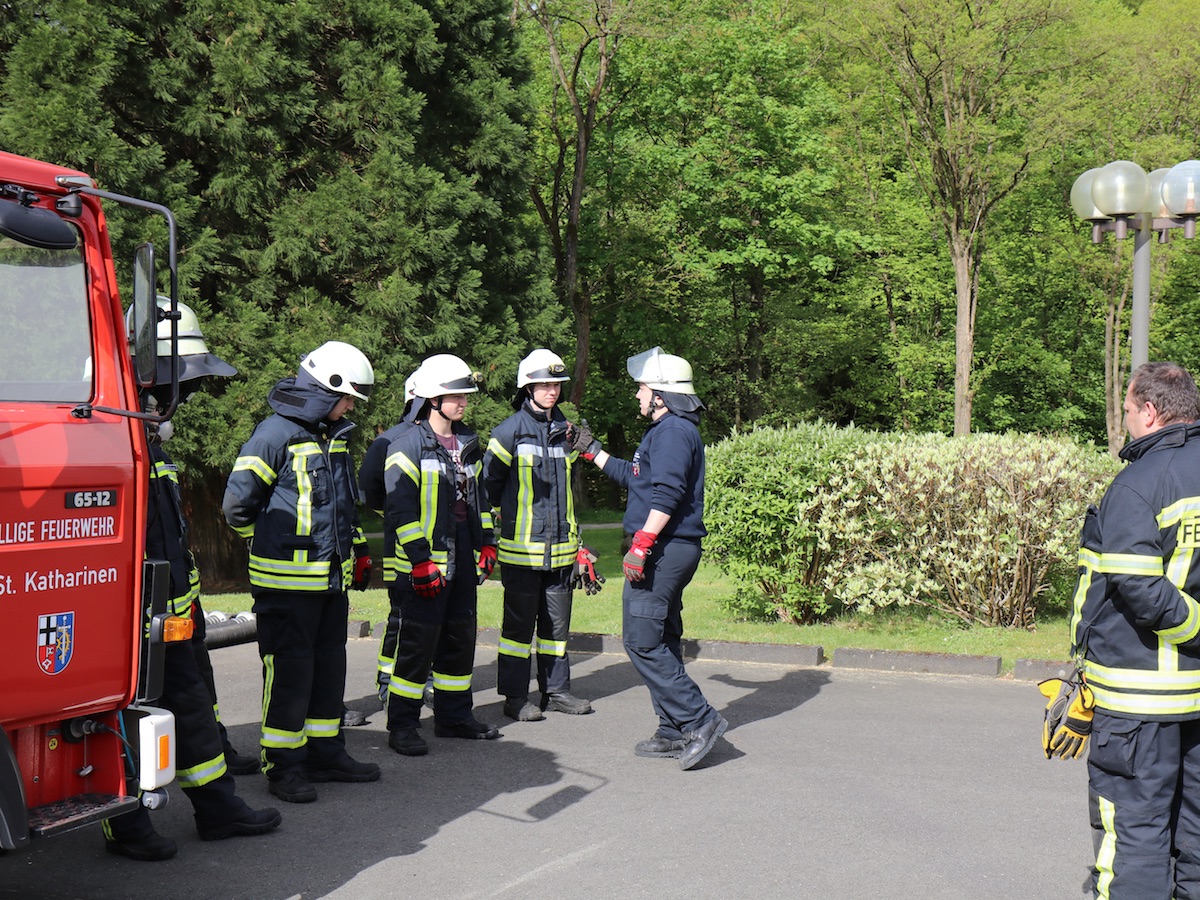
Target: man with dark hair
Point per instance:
(1135, 636)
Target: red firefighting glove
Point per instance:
(634, 562)
(1068, 720)
(362, 571)
(427, 579)
(487, 561)
(584, 574)
(584, 441)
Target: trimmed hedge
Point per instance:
(814, 519)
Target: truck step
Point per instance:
(65, 815)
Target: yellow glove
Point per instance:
(1068, 720)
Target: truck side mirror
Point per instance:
(145, 317)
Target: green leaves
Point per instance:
(974, 529)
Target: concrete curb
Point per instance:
(802, 655)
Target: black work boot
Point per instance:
(565, 702)
(522, 710)
(292, 787)
(248, 822)
(152, 847)
(407, 742)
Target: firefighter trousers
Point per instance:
(436, 634)
(199, 757)
(302, 644)
(535, 602)
(1144, 804)
(652, 622)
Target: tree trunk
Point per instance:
(220, 553)
(964, 333)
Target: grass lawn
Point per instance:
(704, 618)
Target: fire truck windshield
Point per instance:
(45, 344)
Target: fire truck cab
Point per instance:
(82, 620)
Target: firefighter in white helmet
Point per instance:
(527, 472)
(664, 525)
(439, 546)
(205, 763)
(293, 494)
(374, 494)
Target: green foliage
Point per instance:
(757, 487)
(974, 529)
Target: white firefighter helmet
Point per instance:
(661, 371)
(195, 359)
(445, 374)
(342, 368)
(541, 366)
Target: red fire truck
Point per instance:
(82, 625)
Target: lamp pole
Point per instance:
(1120, 197)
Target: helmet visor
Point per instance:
(464, 385)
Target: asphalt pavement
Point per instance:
(832, 782)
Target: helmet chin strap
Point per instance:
(436, 405)
(533, 402)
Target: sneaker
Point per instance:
(151, 848)
(407, 742)
(240, 765)
(699, 742)
(292, 787)
(565, 702)
(659, 747)
(345, 769)
(470, 729)
(522, 710)
(248, 822)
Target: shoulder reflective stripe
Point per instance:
(164, 470)
(404, 464)
(1131, 564)
(498, 450)
(256, 465)
(1106, 852)
(1177, 511)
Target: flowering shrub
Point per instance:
(974, 528)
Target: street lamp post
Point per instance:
(1120, 197)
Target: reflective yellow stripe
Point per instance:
(289, 575)
(507, 647)
(283, 740)
(257, 465)
(1131, 564)
(405, 465)
(1178, 511)
(1106, 853)
(443, 682)
(1144, 692)
(202, 774)
(498, 450)
(402, 688)
(528, 554)
(551, 648)
(322, 728)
